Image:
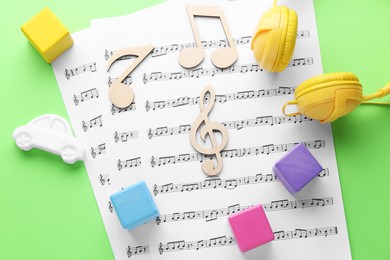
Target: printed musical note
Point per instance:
(85, 96)
(164, 131)
(91, 66)
(233, 153)
(130, 163)
(221, 57)
(222, 99)
(104, 178)
(115, 110)
(120, 94)
(305, 233)
(303, 34)
(125, 136)
(100, 149)
(213, 214)
(210, 72)
(137, 250)
(218, 183)
(127, 81)
(237, 124)
(228, 241)
(301, 62)
(207, 128)
(97, 121)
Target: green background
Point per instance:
(47, 208)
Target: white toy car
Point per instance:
(51, 133)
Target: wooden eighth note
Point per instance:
(221, 57)
(120, 94)
(208, 128)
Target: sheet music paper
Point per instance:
(149, 140)
(75, 71)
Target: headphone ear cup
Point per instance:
(274, 41)
(345, 101)
(329, 96)
(288, 43)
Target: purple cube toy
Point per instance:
(297, 168)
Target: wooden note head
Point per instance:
(191, 57)
(121, 95)
(224, 57)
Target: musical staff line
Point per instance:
(94, 122)
(117, 110)
(298, 233)
(218, 183)
(125, 136)
(104, 179)
(85, 96)
(211, 72)
(91, 66)
(127, 81)
(137, 250)
(129, 163)
(190, 101)
(214, 214)
(172, 48)
(100, 149)
(233, 153)
(238, 125)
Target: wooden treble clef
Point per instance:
(208, 128)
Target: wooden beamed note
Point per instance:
(209, 129)
(120, 94)
(221, 57)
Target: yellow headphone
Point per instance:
(330, 96)
(274, 41)
(325, 97)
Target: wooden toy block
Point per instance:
(47, 34)
(297, 168)
(134, 205)
(251, 228)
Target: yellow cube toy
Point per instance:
(47, 34)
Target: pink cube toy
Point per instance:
(251, 228)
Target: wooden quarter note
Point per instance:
(120, 94)
(221, 57)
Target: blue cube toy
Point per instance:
(134, 205)
(297, 168)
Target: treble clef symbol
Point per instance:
(67, 75)
(150, 134)
(160, 249)
(207, 128)
(76, 100)
(129, 253)
(116, 137)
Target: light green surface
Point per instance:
(47, 208)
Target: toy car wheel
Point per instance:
(68, 154)
(24, 141)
